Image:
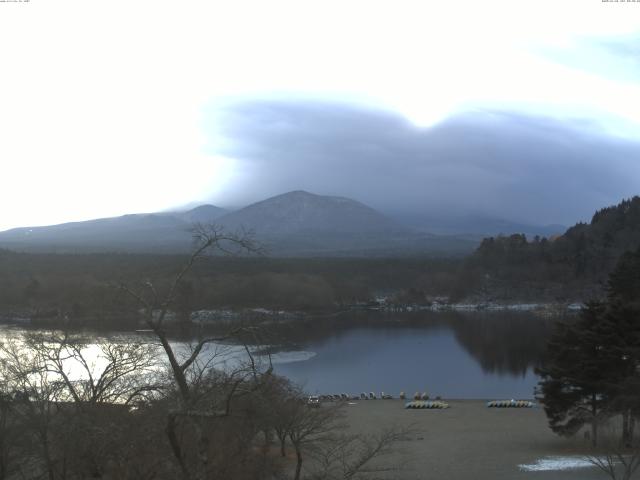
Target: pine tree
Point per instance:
(623, 321)
(592, 369)
(573, 380)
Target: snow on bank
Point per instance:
(291, 357)
(556, 464)
(499, 307)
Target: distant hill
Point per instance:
(201, 214)
(292, 224)
(590, 249)
(155, 232)
(300, 223)
(303, 212)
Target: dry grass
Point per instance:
(469, 441)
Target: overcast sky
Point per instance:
(527, 110)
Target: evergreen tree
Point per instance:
(573, 380)
(623, 320)
(592, 367)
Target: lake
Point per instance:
(451, 354)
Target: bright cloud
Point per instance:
(101, 103)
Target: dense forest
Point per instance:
(575, 264)
(82, 288)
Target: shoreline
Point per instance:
(224, 317)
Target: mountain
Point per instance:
(201, 214)
(292, 224)
(300, 212)
(147, 232)
(300, 223)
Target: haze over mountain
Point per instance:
(486, 164)
(200, 214)
(296, 223)
(302, 223)
(300, 212)
(147, 232)
(481, 225)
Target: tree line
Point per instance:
(576, 263)
(591, 373)
(569, 268)
(49, 287)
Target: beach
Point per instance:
(470, 441)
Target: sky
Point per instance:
(528, 111)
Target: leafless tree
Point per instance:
(616, 457)
(310, 426)
(318, 438)
(156, 306)
(34, 393)
(10, 436)
(195, 407)
(105, 372)
(353, 456)
(71, 399)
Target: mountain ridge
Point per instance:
(588, 248)
(296, 223)
(299, 211)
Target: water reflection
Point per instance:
(506, 343)
(503, 343)
(461, 355)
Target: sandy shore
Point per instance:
(470, 441)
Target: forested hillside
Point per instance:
(570, 268)
(84, 287)
(576, 262)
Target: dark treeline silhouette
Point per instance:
(574, 265)
(591, 369)
(80, 288)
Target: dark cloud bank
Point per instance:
(494, 164)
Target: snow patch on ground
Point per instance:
(290, 357)
(556, 464)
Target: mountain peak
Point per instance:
(303, 212)
(302, 195)
(293, 223)
(202, 214)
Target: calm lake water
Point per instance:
(454, 355)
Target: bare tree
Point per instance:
(72, 395)
(10, 436)
(317, 435)
(71, 398)
(352, 456)
(105, 372)
(188, 369)
(207, 239)
(34, 393)
(310, 426)
(617, 457)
